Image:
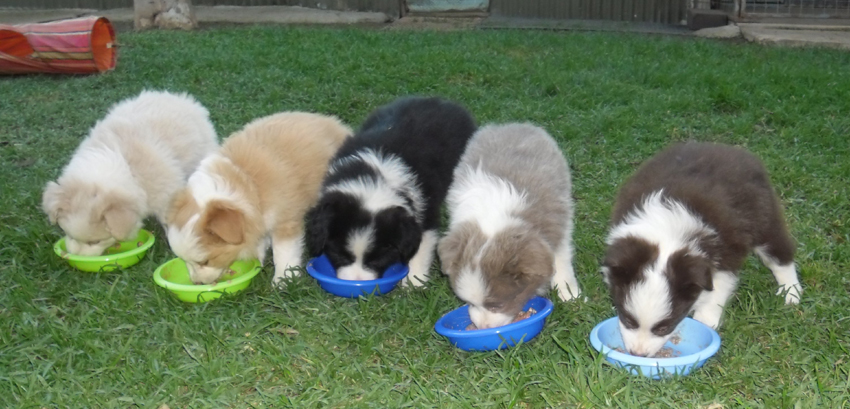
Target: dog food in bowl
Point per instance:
(453, 325)
(120, 255)
(519, 317)
(691, 345)
(174, 276)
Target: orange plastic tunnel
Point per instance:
(76, 46)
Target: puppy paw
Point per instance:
(710, 318)
(281, 276)
(414, 280)
(566, 293)
(792, 293)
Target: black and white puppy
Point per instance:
(380, 201)
(682, 226)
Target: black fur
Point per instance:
(428, 135)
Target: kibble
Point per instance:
(519, 317)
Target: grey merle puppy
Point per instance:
(511, 223)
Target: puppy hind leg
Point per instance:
(564, 278)
(709, 306)
(785, 274)
(420, 264)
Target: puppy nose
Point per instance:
(637, 353)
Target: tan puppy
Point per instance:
(258, 187)
(128, 168)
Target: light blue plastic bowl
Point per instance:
(453, 326)
(697, 343)
(321, 269)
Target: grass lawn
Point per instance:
(72, 339)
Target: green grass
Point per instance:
(71, 339)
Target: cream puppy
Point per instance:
(258, 187)
(128, 168)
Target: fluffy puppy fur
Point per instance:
(256, 189)
(381, 198)
(510, 229)
(129, 167)
(682, 226)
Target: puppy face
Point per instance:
(495, 275)
(652, 292)
(209, 238)
(92, 217)
(359, 243)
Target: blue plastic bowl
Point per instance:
(696, 343)
(321, 269)
(453, 326)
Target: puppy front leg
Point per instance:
(565, 277)
(287, 253)
(709, 306)
(420, 264)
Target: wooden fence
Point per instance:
(646, 11)
(651, 11)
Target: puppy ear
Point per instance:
(224, 222)
(535, 258)
(398, 219)
(182, 208)
(121, 220)
(52, 201)
(459, 245)
(626, 257)
(450, 248)
(690, 272)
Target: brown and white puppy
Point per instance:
(682, 226)
(255, 189)
(510, 230)
(128, 168)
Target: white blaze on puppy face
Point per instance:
(471, 288)
(203, 274)
(647, 303)
(186, 245)
(358, 244)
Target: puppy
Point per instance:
(380, 201)
(128, 168)
(257, 187)
(510, 229)
(681, 228)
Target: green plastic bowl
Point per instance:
(121, 255)
(174, 276)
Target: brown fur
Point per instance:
(727, 187)
(517, 265)
(727, 190)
